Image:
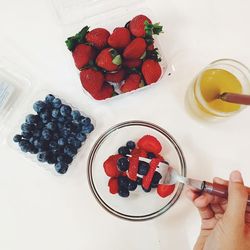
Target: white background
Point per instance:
(39, 210)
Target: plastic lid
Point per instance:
(14, 90)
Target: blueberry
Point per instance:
(61, 141)
(123, 181)
(51, 158)
(150, 155)
(61, 167)
(55, 136)
(65, 110)
(60, 125)
(51, 126)
(74, 127)
(55, 113)
(65, 133)
(33, 150)
(56, 103)
(17, 138)
(42, 156)
(26, 135)
(155, 180)
(49, 98)
(71, 140)
(146, 190)
(37, 133)
(26, 127)
(81, 137)
(88, 129)
(123, 151)
(139, 180)
(143, 168)
(70, 151)
(32, 139)
(61, 119)
(123, 192)
(85, 121)
(64, 158)
(25, 146)
(132, 185)
(53, 145)
(77, 144)
(130, 144)
(76, 115)
(31, 119)
(45, 115)
(39, 106)
(123, 164)
(46, 134)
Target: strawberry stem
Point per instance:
(152, 29)
(117, 60)
(78, 38)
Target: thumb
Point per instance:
(237, 200)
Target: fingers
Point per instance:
(237, 200)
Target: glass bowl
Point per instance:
(139, 205)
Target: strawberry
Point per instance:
(98, 37)
(140, 26)
(137, 25)
(92, 80)
(109, 59)
(165, 190)
(105, 92)
(151, 71)
(82, 55)
(147, 179)
(120, 38)
(131, 83)
(113, 185)
(132, 63)
(110, 166)
(116, 77)
(150, 144)
(138, 152)
(135, 49)
(133, 167)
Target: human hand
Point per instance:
(225, 224)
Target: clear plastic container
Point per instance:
(108, 14)
(17, 96)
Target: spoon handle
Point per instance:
(235, 98)
(218, 190)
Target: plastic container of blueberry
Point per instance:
(109, 14)
(47, 130)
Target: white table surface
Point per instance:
(41, 211)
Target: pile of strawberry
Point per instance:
(123, 61)
(127, 171)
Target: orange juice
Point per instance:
(214, 82)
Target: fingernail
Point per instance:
(235, 176)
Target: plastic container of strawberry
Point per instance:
(76, 14)
(17, 96)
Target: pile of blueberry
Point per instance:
(54, 133)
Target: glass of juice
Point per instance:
(220, 76)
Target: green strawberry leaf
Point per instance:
(151, 29)
(72, 41)
(157, 29)
(117, 60)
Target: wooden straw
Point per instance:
(235, 98)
